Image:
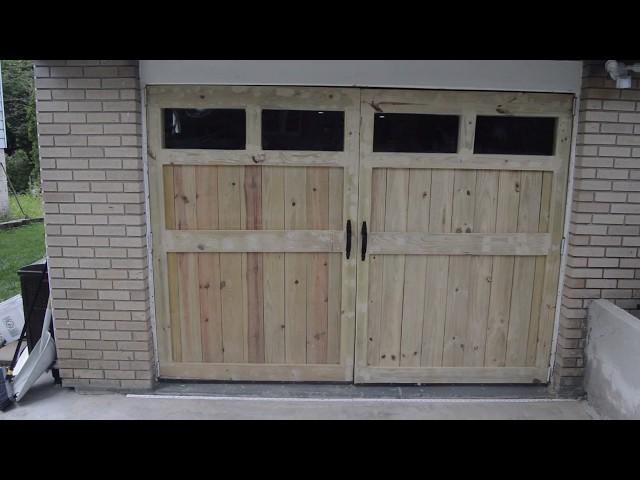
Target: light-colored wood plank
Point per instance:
(255, 241)
(556, 222)
(376, 267)
(317, 270)
(538, 282)
(255, 291)
(232, 275)
(459, 283)
(336, 201)
(185, 197)
(295, 272)
(174, 306)
(190, 332)
(462, 161)
(234, 308)
(502, 275)
(295, 185)
(210, 306)
(428, 375)
(393, 265)
(273, 265)
(207, 197)
(523, 272)
(460, 244)
(415, 270)
(481, 267)
(238, 372)
(169, 197)
(435, 298)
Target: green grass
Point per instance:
(18, 247)
(31, 204)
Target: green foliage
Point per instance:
(20, 117)
(31, 206)
(19, 168)
(19, 246)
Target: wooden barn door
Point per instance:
(249, 208)
(463, 197)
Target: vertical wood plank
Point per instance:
(295, 307)
(502, 275)
(210, 307)
(481, 266)
(232, 275)
(393, 265)
(336, 201)
(538, 282)
(458, 313)
(376, 267)
(209, 265)
(207, 197)
(556, 221)
(523, 272)
(255, 295)
(184, 178)
(169, 197)
(190, 332)
(295, 268)
(317, 271)
(415, 270)
(273, 266)
(435, 298)
(174, 306)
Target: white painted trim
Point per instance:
(507, 75)
(565, 234)
(147, 204)
(350, 399)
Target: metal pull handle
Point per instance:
(364, 240)
(348, 239)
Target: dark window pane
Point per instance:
(219, 129)
(302, 130)
(515, 135)
(415, 132)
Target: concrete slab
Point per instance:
(47, 401)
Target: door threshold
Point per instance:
(327, 391)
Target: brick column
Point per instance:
(605, 221)
(90, 136)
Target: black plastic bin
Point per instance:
(30, 277)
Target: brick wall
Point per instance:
(604, 231)
(89, 126)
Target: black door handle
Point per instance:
(364, 239)
(348, 239)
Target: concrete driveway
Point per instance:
(47, 401)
